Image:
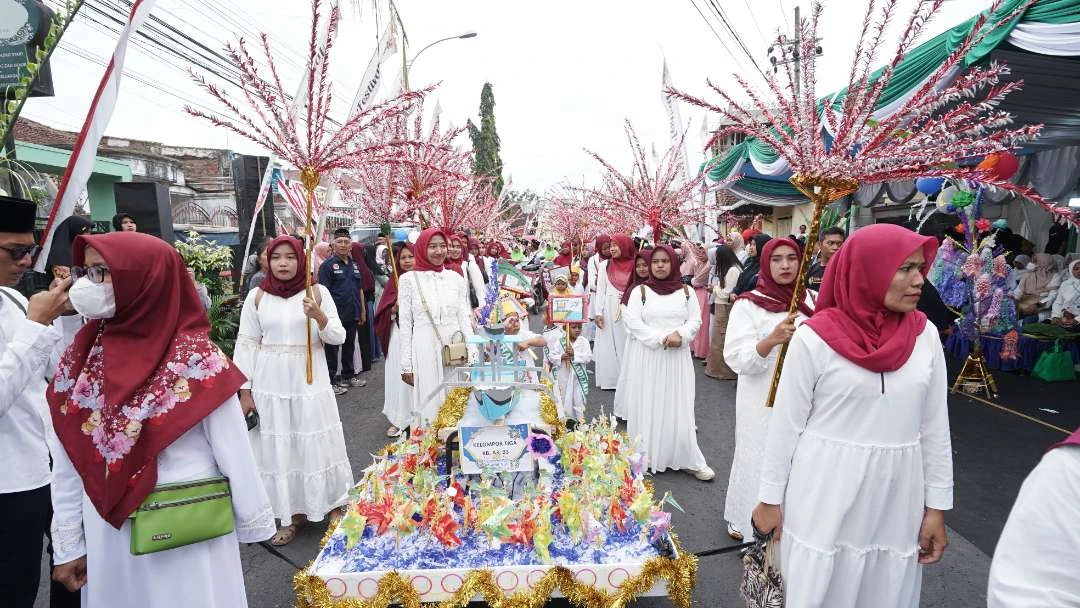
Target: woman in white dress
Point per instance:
(757, 326)
(299, 444)
(641, 274)
(145, 319)
(857, 470)
(613, 280)
(601, 248)
(431, 310)
(661, 317)
(728, 268)
(1035, 559)
(397, 396)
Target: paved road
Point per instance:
(993, 451)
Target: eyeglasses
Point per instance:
(19, 252)
(96, 274)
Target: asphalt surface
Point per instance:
(993, 450)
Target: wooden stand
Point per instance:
(975, 377)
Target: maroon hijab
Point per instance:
(359, 255)
(635, 280)
(671, 283)
(598, 246)
(421, 247)
(164, 375)
(285, 289)
(769, 294)
(619, 269)
(383, 312)
(851, 316)
(455, 265)
(564, 259)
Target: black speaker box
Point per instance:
(149, 204)
(247, 172)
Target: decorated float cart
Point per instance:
(499, 501)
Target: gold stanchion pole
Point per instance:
(821, 191)
(310, 178)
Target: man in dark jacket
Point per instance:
(342, 276)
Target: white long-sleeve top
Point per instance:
(445, 297)
(830, 401)
(25, 425)
(655, 319)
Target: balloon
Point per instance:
(1001, 223)
(1000, 165)
(400, 234)
(929, 185)
(962, 199)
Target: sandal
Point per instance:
(285, 535)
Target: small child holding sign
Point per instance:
(568, 368)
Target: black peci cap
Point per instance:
(17, 215)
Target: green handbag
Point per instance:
(1055, 365)
(183, 513)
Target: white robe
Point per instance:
(611, 338)
(299, 445)
(748, 323)
(397, 396)
(572, 399)
(206, 574)
(421, 347)
(1035, 562)
(855, 457)
(475, 280)
(660, 389)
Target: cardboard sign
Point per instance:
(568, 309)
(495, 448)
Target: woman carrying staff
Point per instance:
(727, 272)
(613, 280)
(432, 309)
(601, 249)
(163, 410)
(299, 444)
(397, 396)
(641, 274)
(857, 469)
(474, 272)
(661, 316)
(758, 325)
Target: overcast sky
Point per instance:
(565, 73)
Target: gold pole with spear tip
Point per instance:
(311, 179)
(821, 191)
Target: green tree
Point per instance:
(485, 140)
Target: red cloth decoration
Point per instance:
(285, 289)
(619, 269)
(421, 247)
(383, 312)
(851, 316)
(164, 374)
(769, 294)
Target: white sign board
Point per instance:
(495, 448)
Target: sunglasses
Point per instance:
(96, 274)
(19, 252)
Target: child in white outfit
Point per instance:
(569, 369)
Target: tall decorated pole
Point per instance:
(951, 116)
(306, 137)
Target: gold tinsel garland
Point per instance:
(453, 408)
(680, 574)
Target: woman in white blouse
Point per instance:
(432, 310)
(857, 469)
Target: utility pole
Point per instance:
(789, 49)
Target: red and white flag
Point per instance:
(81, 164)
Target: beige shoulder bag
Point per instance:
(454, 354)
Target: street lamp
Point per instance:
(460, 36)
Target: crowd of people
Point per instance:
(852, 467)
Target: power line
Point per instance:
(756, 26)
(738, 39)
(717, 34)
